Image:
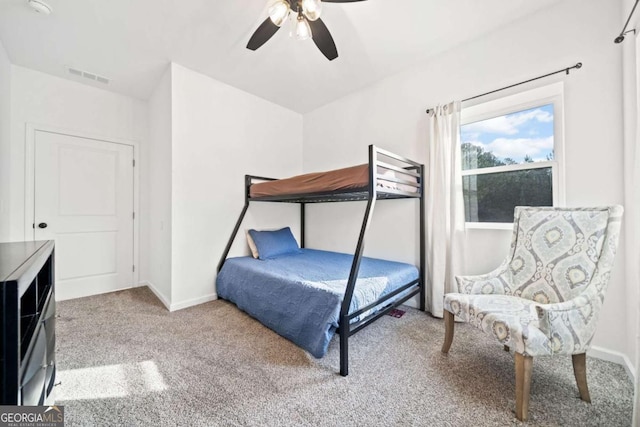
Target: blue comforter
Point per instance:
(298, 295)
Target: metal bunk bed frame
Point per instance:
(413, 170)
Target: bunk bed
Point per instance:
(345, 304)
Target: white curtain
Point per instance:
(444, 207)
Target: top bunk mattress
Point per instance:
(354, 178)
(299, 295)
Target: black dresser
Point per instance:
(27, 323)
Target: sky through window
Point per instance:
(521, 137)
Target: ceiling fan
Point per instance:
(306, 23)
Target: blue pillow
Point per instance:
(273, 243)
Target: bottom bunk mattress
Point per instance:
(298, 295)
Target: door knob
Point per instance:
(42, 225)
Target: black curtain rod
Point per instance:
(564, 70)
(624, 31)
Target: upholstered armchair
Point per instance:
(546, 296)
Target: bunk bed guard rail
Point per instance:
(394, 177)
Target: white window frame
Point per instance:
(545, 95)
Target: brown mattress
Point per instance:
(352, 178)
(355, 177)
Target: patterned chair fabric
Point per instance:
(546, 296)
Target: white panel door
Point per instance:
(84, 201)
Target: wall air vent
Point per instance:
(88, 75)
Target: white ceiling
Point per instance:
(132, 41)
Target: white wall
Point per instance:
(391, 114)
(198, 138)
(5, 142)
(43, 99)
(160, 175)
(220, 134)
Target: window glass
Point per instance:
(522, 137)
(492, 197)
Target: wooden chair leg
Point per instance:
(449, 323)
(580, 371)
(524, 365)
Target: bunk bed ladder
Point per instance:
(355, 267)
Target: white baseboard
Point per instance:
(192, 302)
(164, 300)
(63, 294)
(615, 357)
(180, 305)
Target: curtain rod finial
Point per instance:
(577, 67)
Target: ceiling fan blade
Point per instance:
(265, 31)
(322, 38)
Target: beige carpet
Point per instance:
(124, 360)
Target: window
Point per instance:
(511, 154)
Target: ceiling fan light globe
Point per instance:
(312, 9)
(303, 30)
(279, 12)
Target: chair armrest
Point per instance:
(570, 325)
(573, 304)
(493, 283)
(577, 303)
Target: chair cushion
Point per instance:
(511, 320)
